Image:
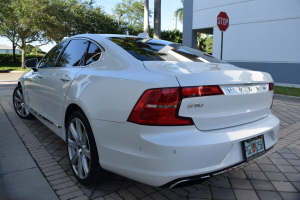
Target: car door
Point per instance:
(35, 82)
(60, 77)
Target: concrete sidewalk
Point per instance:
(20, 177)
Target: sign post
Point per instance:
(223, 24)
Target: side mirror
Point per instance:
(32, 63)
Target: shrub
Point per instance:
(8, 57)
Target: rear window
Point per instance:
(161, 50)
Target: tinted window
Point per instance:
(160, 50)
(74, 54)
(50, 58)
(93, 54)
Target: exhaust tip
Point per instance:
(188, 182)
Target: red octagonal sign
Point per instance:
(223, 21)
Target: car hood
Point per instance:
(198, 73)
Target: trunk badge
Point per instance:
(195, 105)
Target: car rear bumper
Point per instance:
(159, 155)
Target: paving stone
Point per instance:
(83, 197)
(269, 168)
(238, 175)
(295, 150)
(126, 194)
(159, 196)
(109, 185)
(180, 191)
(275, 155)
(93, 194)
(245, 194)
(126, 183)
(290, 196)
(253, 175)
(264, 161)
(167, 193)
(294, 162)
(222, 193)
(279, 161)
(275, 176)
(147, 198)
(284, 186)
(202, 193)
(296, 185)
(292, 176)
(222, 183)
(252, 167)
(267, 195)
(262, 185)
(137, 192)
(71, 195)
(63, 185)
(289, 156)
(287, 168)
(67, 190)
(240, 184)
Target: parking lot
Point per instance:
(275, 175)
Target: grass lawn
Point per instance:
(289, 91)
(12, 67)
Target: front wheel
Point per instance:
(19, 103)
(82, 150)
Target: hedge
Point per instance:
(8, 57)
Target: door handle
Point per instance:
(40, 76)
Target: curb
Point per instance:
(15, 72)
(287, 99)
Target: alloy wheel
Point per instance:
(19, 103)
(79, 148)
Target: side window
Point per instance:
(93, 54)
(74, 54)
(51, 57)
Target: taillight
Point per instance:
(271, 86)
(201, 91)
(159, 107)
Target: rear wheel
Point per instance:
(82, 150)
(19, 103)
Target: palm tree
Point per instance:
(178, 14)
(157, 19)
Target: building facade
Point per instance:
(263, 35)
(8, 49)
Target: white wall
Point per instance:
(259, 30)
(17, 51)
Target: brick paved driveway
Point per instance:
(275, 175)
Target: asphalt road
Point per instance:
(8, 82)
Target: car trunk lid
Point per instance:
(246, 95)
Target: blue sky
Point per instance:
(167, 14)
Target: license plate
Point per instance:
(254, 147)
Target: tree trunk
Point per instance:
(146, 16)
(23, 58)
(23, 47)
(14, 52)
(157, 18)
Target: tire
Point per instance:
(19, 104)
(82, 151)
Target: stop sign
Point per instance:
(223, 21)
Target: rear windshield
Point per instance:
(161, 50)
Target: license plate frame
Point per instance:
(254, 147)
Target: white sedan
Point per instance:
(151, 110)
